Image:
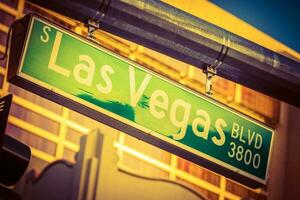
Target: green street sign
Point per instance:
(66, 68)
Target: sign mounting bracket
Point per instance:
(93, 23)
(92, 26)
(211, 70)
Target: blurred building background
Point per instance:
(53, 132)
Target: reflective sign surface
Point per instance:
(77, 69)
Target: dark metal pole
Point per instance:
(14, 155)
(178, 34)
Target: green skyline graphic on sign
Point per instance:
(132, 94)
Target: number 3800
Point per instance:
(244, 155)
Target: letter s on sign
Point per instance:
(220, 124)
(45, 37)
